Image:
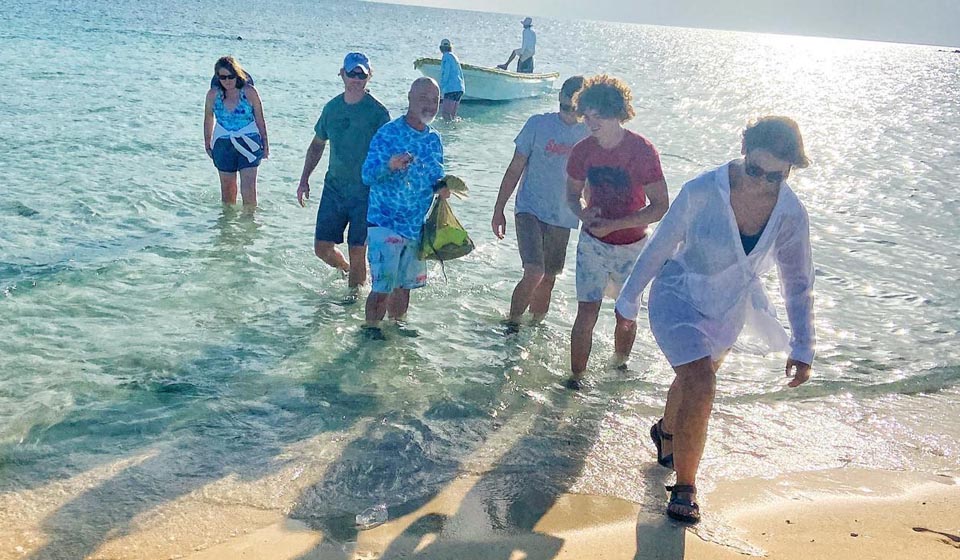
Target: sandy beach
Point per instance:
(862, 515)
(824, 514)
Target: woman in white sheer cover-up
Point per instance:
(725, 229)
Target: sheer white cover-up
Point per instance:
(706, 290)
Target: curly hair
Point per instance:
(778, 135)
(231, 64)
(609, 96)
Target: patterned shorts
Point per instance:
(393, 261)
(603, 268)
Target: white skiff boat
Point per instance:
(493, 84)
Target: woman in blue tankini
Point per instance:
(725, 229)
(234, 132)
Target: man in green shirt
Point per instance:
(348, 122)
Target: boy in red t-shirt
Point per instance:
(615, 171)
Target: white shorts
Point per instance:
(603, 268)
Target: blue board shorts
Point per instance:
(393, 261)
(336, 211)
(227, 159)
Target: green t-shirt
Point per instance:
(348, 130)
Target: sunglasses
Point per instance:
(754, 170)
(227, 76)
(567, 107)
(357, 75)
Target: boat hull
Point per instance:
(493, 84)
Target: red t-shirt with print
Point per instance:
(615, 179)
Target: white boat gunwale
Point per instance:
(422, 61)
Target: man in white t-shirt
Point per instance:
(524, 54)
(543, 217)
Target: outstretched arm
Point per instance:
(795, 267)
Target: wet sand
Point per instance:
(858, 514)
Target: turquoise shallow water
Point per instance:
(141, 319)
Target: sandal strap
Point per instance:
(682, 489)
(663, 434)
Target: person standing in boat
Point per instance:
(451, 81)
(528, 48)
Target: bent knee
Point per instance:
(533, 273)
(322, 248)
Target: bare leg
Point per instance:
(228, 187)
(540, 300)
(581, 339)
(532, 275)
(447, 109)
(699, 384)
(399, 302)
(454, 107)
(670, 412)
(376, 308)
(672, 408)
(358, 266)
(513, 54)
(248, 186)
(329, 254)
(624, 334)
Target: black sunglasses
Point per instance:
(754, 170)
(227, 76)
(567, 107)
(357, 74)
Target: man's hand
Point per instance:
(588, 214)
(600, 227)
(209, 150)
(802, 372)
(400, 162)
(499, 224)
(303, 192)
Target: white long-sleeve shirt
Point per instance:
(697, 258)
(528, 44)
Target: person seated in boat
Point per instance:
(524, 54)
(451, 81)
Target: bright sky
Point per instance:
(935, 22)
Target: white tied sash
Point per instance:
(240, 139)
